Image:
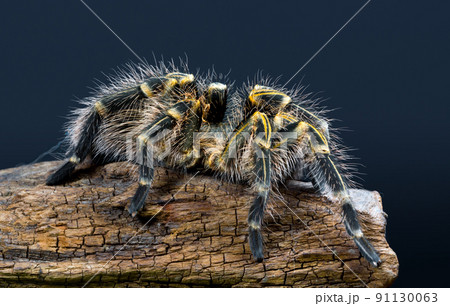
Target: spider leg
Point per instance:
(326, 174)
(262, 185)
(329, 180)
(145, 141)
(260, 125)
(81, 151)
(110, 104)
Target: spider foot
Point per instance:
(62, 174)
(367, 251)
(256, 241)
(139, 199)
(354, 230)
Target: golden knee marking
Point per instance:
(174, 113)
(254, 225)
(181, 78)
(216, 86)
(358, 234)
(144, 182)
(100, 109)
(285, 101)
(302, 127)
(321, 146)
(259, 90)
(146, 90)
(278, 121)
(169, 84)
(196, 104)
(261, 188)
(142, 139)
(187, 79)
(74, 159)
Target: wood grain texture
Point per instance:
(62, 236)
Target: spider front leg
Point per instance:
(329, 180)
(262, 184)
(260, 128)
(187, 111)
(93, 116)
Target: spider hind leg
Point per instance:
(329, 181)
(354, 230)
(328, 178)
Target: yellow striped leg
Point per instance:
(145, 152)
(260, 128)
(329, 180)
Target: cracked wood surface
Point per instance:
(64, 235)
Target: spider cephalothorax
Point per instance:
(259, 135)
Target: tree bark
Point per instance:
(191, 233)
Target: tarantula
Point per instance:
(259, 135)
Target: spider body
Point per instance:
(259, 135)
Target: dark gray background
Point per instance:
(387, 73)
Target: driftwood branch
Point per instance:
(64, 235)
